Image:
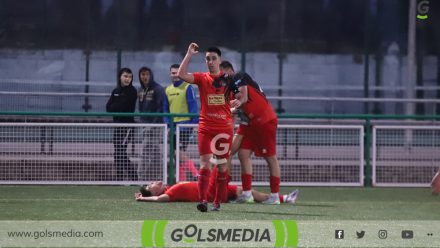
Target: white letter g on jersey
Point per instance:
(224, 146)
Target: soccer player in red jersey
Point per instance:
(215, 124)
(258, 136)
(189, 192)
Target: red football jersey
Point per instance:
(183, 192)
(257, 108)
(215, 112)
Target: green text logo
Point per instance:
(191, 233)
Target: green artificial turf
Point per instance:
(314, 203)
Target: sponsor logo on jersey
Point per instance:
(216, 99)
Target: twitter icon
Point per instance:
(360, 234)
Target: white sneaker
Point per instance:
(245, 199)
(291, 198)
(273, 199)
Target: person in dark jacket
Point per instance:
(123, 100)
(150, 96)
(150, 100)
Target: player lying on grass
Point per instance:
(188, 192)
(435, 184)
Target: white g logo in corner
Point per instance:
(224, 146)
(422, 9)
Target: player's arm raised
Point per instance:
(183, 69)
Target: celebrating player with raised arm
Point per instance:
(258, 136)
(215, 124)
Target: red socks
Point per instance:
(246, 182)
(203, 183)
(274, 184)
(222, 187)
(281, 198)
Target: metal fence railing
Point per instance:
(82, 153)
(355, 150)
(406, 156)
(81, 96)
(318, 155)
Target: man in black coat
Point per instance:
(123, 100)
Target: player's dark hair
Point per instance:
(144, 191)
(214, 50)
(226, 64)
(230, 86)
(176, 66)
(226, 81)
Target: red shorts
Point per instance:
(215, 141)
(261, 139)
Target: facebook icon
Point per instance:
(339, 234)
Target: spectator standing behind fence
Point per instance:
(150, 99)
(123, 100)
(180, 99)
